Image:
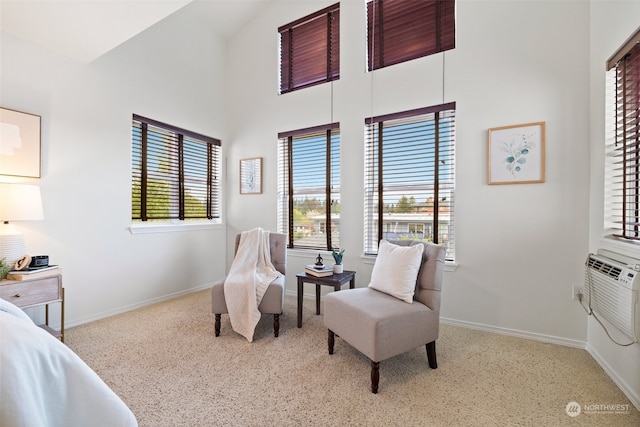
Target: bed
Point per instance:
(44, 383)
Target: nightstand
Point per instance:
(36, 292)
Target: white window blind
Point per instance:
(410, 177)
(309, 187)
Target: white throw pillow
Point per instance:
(396, 270)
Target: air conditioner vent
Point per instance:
(605, 268)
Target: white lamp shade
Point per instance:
(20, 202)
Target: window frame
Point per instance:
(184, 151)
(375, 225)
(287, 190)
(622, 142)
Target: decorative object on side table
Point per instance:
(4, 268)
(337, 257)
(318, 271)
(38, 273)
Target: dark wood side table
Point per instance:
(335, 280)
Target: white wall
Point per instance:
(174, 72)
(611, 23)
(519, 247)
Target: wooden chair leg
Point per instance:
(375, 376)
(431, 355)
(331, 341)
(276, 325)
(217, 324)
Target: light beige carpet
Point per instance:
(166, 364)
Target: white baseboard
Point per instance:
(515, 333)
(620, 382)
(131, 307)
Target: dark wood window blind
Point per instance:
(402, 30)
(410, 177)
(310, 50)
(175, 173)
(622, 175)
(309, 187)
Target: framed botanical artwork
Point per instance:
(251, 176)
(516, 154)
(19, 144)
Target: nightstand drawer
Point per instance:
(32, 292)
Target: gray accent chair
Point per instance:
(381, 326)
(273, 299)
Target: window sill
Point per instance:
(367, 259)
(171, 228)
(629, 248)
(448, 265)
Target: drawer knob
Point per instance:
(16, 296)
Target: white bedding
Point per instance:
(44, 383)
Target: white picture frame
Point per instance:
(19, 144)
(251, 176)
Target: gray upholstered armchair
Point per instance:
(381, 325)
(273, 299)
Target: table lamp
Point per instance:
(18, 202)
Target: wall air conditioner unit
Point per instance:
(612, 286)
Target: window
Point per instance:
(410, 177)
(309, 187)
(175, 173)
(622, 152)
(402, 30)
(310, 50)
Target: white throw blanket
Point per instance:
(249, 277)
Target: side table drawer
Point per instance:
(32, 292)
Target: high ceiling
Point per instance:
(86, 29)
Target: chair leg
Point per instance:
(276, 325)
(431, 355)
(217, 324)
(331, 341)
(375, 376)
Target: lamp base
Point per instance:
(12, 245)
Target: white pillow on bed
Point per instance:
(396, 270)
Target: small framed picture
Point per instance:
(251, 176)
(19, 143)
(516, 154)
